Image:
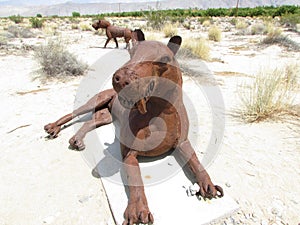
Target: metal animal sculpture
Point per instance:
(149, 88)
(113, 32)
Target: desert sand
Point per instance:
(44, 182)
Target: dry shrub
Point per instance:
(198, 47)
(277, 38)
(20, 32)
(214, 33)
(187, 25)
(274, 36)
(206, 23)
(241, 24)
(74, 27)
(170, 30)
(153, 36)
(51, 29)
(3, 39)
(258, 28)
(272, 93)
(85, 27)
(57, 62)
(274, 32)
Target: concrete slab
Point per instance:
(166, 185)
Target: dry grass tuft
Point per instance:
(241, 24)
(85, 27)
(150, 36)
(258, 28)
(272, 93)
(214, 33)
(206, 23)
(170, 30)
(198, 47)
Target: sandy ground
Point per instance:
(43, 182)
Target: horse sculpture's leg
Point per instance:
(137, 210)
(100, 118)
(127, 39)
(115, 39)
(99, 100)
(54, 128)
(108, 39)
(207, 188)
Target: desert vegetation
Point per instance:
(197, 47)
(56, 61)
(271, 94)
(36, 22)
(170, 29)
(16, 18)
(214, 33)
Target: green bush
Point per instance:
(265, 11)
(36, 22)
(98, 17)
(216, 12)
(290, 20)
(75, 14)
(16, 19)
(284, 10)
(155, 19)
(39, 15)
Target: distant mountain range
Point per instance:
(85, 7)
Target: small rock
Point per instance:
(277, 207)
(296, 203)
(193, 189)
(95, 173)
(49, 219)
(228, 184)
(84, 199)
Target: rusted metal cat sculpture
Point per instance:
(149, 88)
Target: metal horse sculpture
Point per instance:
(149, 87)
(113, 32)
